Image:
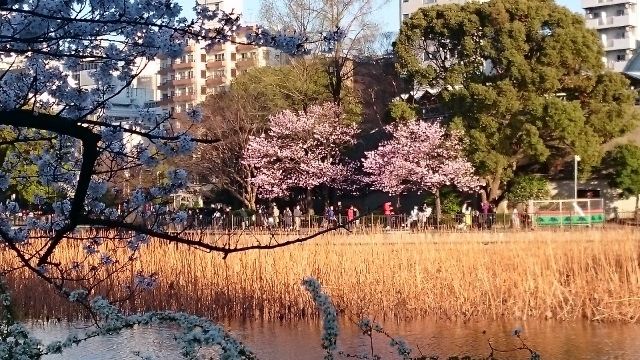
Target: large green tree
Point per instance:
(524, 79)
(623, 162)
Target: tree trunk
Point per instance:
(308, 202)
(637, 205)
(325, 197)
(438, 208)
(494, 187)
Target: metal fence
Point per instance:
(384, 223)
(372, 223)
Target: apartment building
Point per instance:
(408, 7)
(186, 81)
(617, 23)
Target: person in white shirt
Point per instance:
(515, 218)
(413, 217)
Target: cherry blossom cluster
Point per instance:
(301, 150)
(328, 313)
(421, 156)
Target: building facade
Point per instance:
(185, 82)
(408, 7)
(617, 23)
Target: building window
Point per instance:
(620, 35)
(216, 6)
(219, 73)
(219, 57)
(190, 58)
(589, 194)
(190, 74)
(429, 1)
(620, 12)
(203, 90)
(203, 58)
(405, 1)
(621, 57)
(405, 16)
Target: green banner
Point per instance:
(568, 220)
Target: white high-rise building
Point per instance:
(227, 6)
(617, 23)
(408, 7)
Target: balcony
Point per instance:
(620, 44)
(216, 80)
(246, 63)
(616, 66)
(164, 102)
(183, 65)
(164, 70)
(190, 48)
(217, 48)
(598, 3)
(165, 85)
(245, 48)
(185, 81)
(184, 98)
(611, 21)
(215, 64)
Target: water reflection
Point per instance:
(301, 340)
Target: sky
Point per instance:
(388, 15)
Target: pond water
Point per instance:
(301, 340)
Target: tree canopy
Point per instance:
(523, 79)
(296, 86)
(624, 163)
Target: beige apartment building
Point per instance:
(187, 81)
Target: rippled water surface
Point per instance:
(301, 340)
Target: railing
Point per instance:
(245, 47)
(216, 80)
(404, 223)
(394, 223)
(215, 64)
(183, 65)
(245, 63)
(184, 81)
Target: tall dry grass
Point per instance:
(593, 275)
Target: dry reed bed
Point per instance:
(593, 275)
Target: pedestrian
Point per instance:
(413, 218)
(297, 216)
(356, 216)
(288, 219)
(350, 215)
(244, 218)
(387, 208)
(515, 218)
(339, 212)
(275, 215)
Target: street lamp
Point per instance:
(576, 158)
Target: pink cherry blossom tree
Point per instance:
(421, 156)
(301, 150)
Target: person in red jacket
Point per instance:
(350, 215)
(387, 213)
